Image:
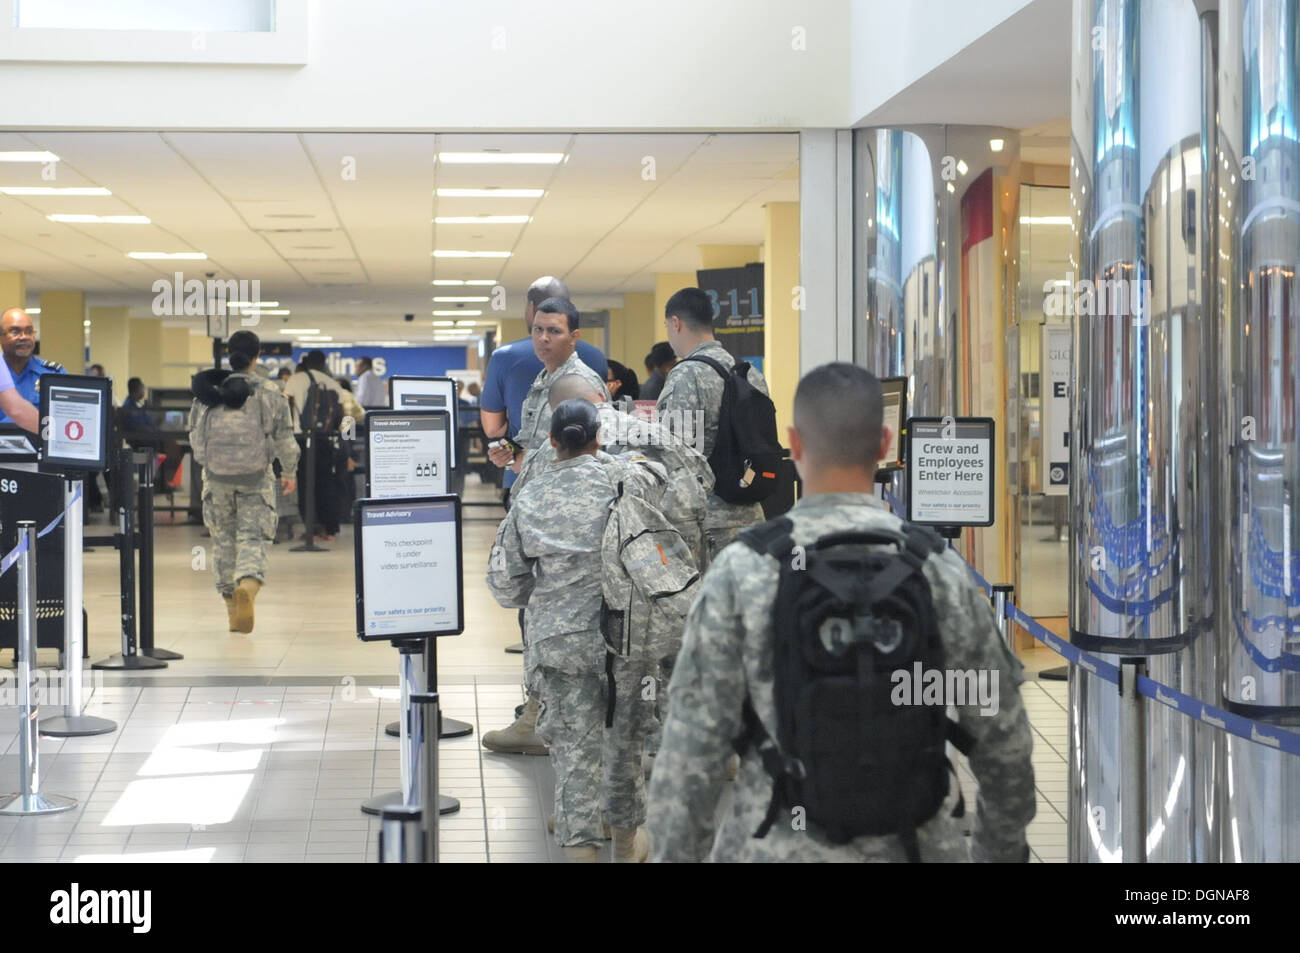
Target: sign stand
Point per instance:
(146, 566)
(309, 500)
(73, 723)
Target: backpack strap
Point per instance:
(611, 692)
(782, 770)
(771, 538)
(716, 365)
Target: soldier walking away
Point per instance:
(240, 425)
(793, 652)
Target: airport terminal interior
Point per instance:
(1092, 288)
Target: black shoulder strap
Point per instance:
(922, 540)
(771, 538)
(716, 365)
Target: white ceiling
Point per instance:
(352, 255)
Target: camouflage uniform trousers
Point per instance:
(596, 768)
(242, 523)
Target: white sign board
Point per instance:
(1055, 402)
(950, 471)
(407, 453)
(75, 421)
(408, 568)
(893, 392)
(426, 393)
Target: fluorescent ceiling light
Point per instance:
(461, 281)
(482, 219)
(456, 313)
(167, 255)
(489, 193)
(1044, 220)
(28, 157)
(32, 310)
(384, 344)
(300, 330)
(321, 339)
(101, 219)
(465, 324)
(461, 253)
(962, 167)
(453, 298)
(277, 312)
(252, 304)
(501, 158)
(51, 190)
(996, 145)
(444, 324)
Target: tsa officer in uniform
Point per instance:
(18, 340)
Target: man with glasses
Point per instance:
(18, 341)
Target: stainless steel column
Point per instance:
(1259, 606)
(29, 799)
(1141, 490)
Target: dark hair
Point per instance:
(132, 384)
(628, 386)
(575, 423)
(560, 306)
(243, 347)
(344, 383)
(547, 287)
(839, 411)
(693, 306)
(369, 362)
(314, 360)
(662, 353)
(284, 372)
(650, 362)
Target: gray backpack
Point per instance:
(233, 441)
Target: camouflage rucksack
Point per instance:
(649, 577)
(233, 441)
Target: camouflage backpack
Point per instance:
(649, 577)
(233, 441)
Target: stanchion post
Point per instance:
(429, 726)
(309, 500)
(145, 494)
(73, 723)
(29, 800)
(1133, 762)
(401, 835)
(1002, 595)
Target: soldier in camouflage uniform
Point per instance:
(239, 510)
(547, 557)
(728, 654)
(693, 386)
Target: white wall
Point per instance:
(440, 65)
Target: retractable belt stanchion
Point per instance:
(1133, 762)
(449, 727)
(29, 799)
(412, 654)
(129, 658)
(1002, 594)
(429, 725)
(309, 501)
(146, 566)
(72, 723)
(401, 835)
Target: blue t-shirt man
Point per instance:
(512, 370)
(28, 382)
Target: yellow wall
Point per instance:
(781, 324)
(146, 355)
(63, 329)
(666, 285)
(200, 351)
(729, 256)
(13, 291)
(176, 367)
(110, 341)
(512, 329)
(642, 325)
(618, 337)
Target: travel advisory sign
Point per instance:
(950, 471)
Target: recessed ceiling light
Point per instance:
(501, 158)
(962, 167)
(28, 157)
(51, 190)
(489, 193)
(167, 255)
(278, 312)
(457, 313)
(444, 324)
(1044, 220)
(300, 330)
(448, 281)
(996, 145)
(252, 304)
(323, 337)
(482, 219)
(482, 281)
(84, 324)
(101, 219)
(452, 298)
(465, 324)
(458, 253)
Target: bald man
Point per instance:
(18, 342)
(20, 375)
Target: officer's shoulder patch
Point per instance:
(55, 366)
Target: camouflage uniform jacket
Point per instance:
(727, 653)
(535, 423)
(274, 411)
(693, 386)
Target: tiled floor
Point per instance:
(261, 748)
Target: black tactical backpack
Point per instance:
(321, 413)
(849, 613)
(746, 459)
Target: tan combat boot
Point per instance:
(631, 845)
(579, 855)
(229, 600)
(519, 738)
(245, 593)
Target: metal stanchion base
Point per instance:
(76, 726)
(129, 662)
(446, 803)
(451, 728)
(516, 649)
(19, 804)
(393, 729)
(167, 655)
(1059, 674)
(308, 548)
